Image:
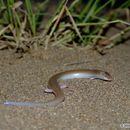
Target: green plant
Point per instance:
(12, 23)
(18, 23)
(72, 24)
(85, 23)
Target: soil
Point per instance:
(89, 104)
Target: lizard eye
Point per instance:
(107, 76)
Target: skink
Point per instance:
(55, 88)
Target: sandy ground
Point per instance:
(88, 105)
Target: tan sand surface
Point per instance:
(88, 105)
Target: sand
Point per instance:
(88, 105)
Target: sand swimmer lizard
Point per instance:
(56, 89)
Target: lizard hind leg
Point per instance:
(48, 90)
